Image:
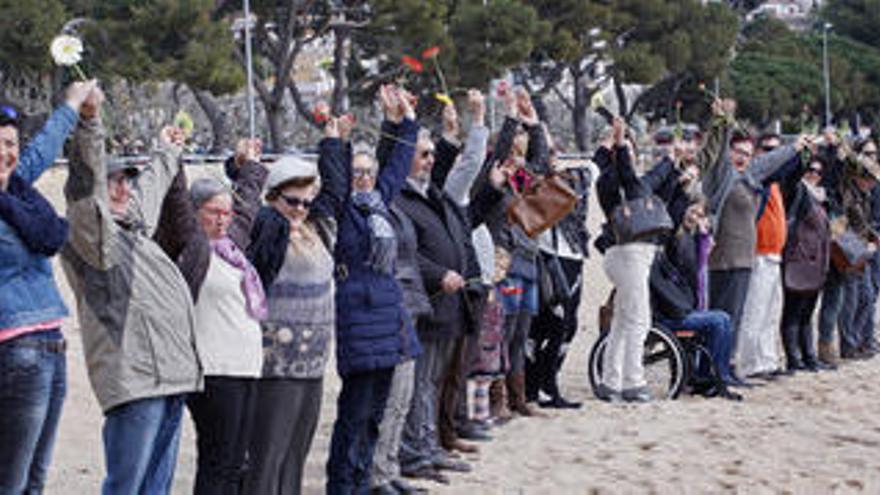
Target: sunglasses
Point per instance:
(294, 202)
(426, 153)
(870, 153)
(768, 148)
(817, 171)
(363, 172)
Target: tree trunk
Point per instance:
(342, 36)
(222, 138)
(579, 112)
(622, 104)
(274, 113)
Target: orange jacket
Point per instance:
(772, 226)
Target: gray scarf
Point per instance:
(383, 240)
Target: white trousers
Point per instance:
(628, 267)
(757, 349)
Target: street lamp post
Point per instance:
(826, 73)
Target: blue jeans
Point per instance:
(715, 327)
(832, 302)
(33, 379)
(360, 408)
(140, 445)
(857, 312)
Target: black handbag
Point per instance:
(672, 296)
(639, 219)
(553, 285)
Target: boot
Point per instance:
(498, 402)
(516, 388)
(826, 353)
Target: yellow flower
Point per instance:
(443, 98)
(66, 50)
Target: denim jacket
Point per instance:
(28, 293)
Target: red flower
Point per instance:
(321, 112)
(414, 64)
(430, 52)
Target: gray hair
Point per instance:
(202, 190)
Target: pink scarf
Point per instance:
(251, 286)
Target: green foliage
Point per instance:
(857, 19)
(165, 39)
(26, 30)
(778, 72)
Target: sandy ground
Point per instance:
(805, 434)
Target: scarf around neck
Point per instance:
(251, 285)
(383, 240)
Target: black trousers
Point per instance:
(550, 334)
(727, 292)
(223, 415)
(287, 417)
(797, 328)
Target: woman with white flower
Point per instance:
(291, 247)
(33, 372)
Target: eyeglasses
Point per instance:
(767, 148)
(426, 153)
(363, 172)
(870, 152)
(294, 202)
(813, 170)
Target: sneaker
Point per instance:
(453, 465)
(607, 394)
(638, 394)
(405, 488)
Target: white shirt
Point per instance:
(229, 340)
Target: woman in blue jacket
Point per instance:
(32, 365)
(371, 323)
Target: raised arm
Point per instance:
(92, 229)
(447, 148)
(156, 179)
(249, 177)
(334, 166)
(462, 176)
(47, 144)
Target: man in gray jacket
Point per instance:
(732, 178)
(135, 310)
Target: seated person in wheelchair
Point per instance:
(679, 286)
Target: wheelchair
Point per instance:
(670, 360)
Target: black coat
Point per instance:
(443, 230)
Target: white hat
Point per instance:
(290, 167)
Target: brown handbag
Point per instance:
(546, 201)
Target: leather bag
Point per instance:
(849, 253)
(640, 218)
(543, 203)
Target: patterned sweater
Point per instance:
(301, 321)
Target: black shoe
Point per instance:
(638, 394)
(469, 431)
(735, 381)
(405, 488)
(779, 372)
(452, 465)
(559, 402)
(426, 473)
(384, 490)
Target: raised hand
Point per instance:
(618, 131)
(450, 122)
(78, 92)
(407, 102)
(173, 136)
(248, 150)
(90, 106)
(525, 108)
(390, 102)
(477, 106)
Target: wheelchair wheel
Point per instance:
(665, 362)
